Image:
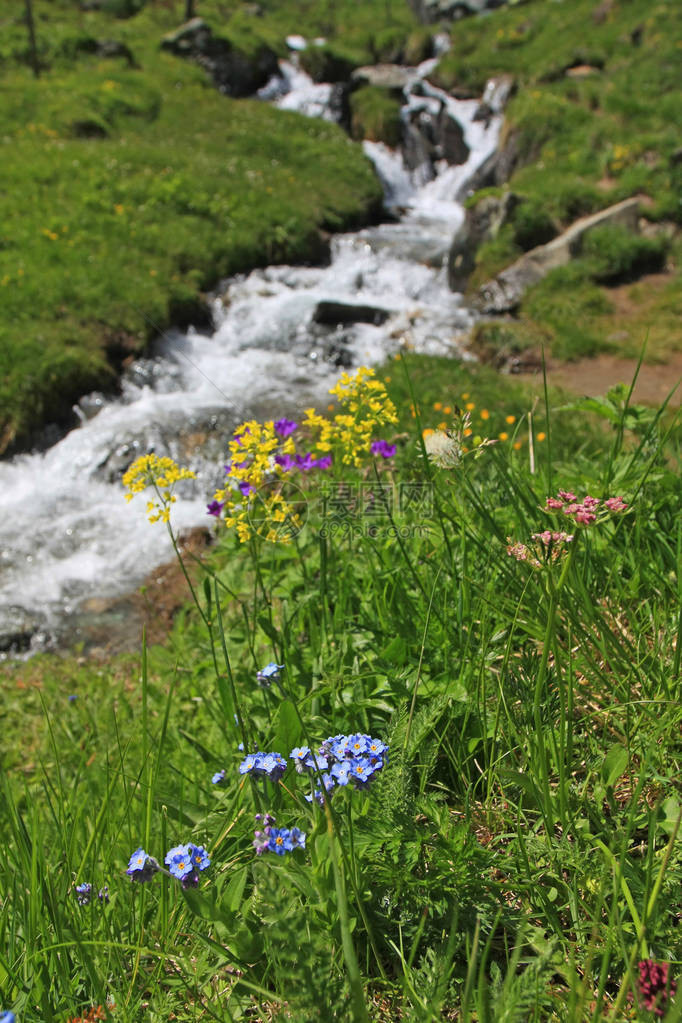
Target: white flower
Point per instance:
(443, 449)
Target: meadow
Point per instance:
(412, 752)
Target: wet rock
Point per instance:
(451, 140)
(482, 222)
(334, 313)
(431, 134)
(234, 72)
(17, 628)
(504, 293)
(324, 64)
(432, 11)
(190, 311)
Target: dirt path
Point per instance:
(596, 375)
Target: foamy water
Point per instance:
(68, 534)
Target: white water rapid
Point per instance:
(67, 535)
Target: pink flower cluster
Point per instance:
(655, 986)
(550, 539)
(584, 512)
(548, 545)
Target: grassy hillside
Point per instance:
(596, 118)
(127, 187)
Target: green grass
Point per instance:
(127, 190)
(519, 852)
(581, 143)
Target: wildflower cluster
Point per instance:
(548, 548)
(339, 760)
(655, 986)
(342, 759)
(261, 453)
(264, 457)
(160, 473)
(364, 408)
(584, 512)
(184, 862)
(84, 893)
(277, 840)
(264, 765)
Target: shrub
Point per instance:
(615, 254)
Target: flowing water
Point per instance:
(66, 532)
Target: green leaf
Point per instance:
(614, 765)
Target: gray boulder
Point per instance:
(504, 293)
(383, 76)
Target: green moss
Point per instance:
(375, 115)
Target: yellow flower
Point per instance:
(510, 419)
(485, 414)
(465, 396)
(448, 410)
(541, 437)
(503, 436)
(437, 405)
(160, 473)
(427, 432)
(470, 406)
(517, 445)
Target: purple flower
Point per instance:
(261, 841)
(285, 427)
(83, 893)
(246, 488)
(103, 894)
(218, 776)
(383, 448)
(305, 462)
(286, 462)
(324, 462)
(215, 508)
(73, 697)
(141, 867)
